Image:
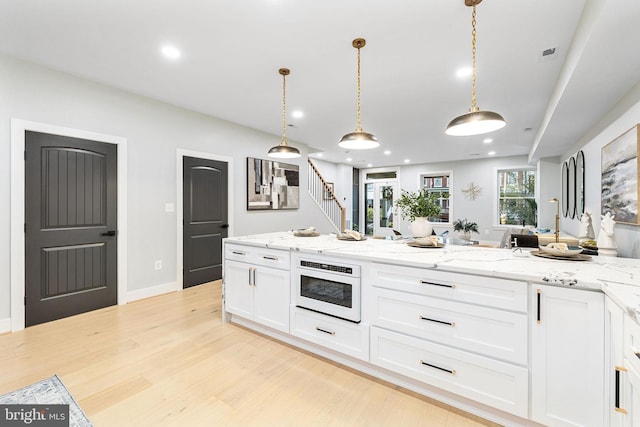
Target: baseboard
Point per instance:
(151, 291)
(5, 325)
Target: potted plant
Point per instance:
(418, 207)
(465, 227)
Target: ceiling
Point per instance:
(232, 50)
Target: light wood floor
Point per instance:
(170, 361)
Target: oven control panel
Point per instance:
(353, 271)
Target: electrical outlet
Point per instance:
(158, 265)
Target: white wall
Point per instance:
(623, 117)
(154, 132)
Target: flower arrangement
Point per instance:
(419, 204)
(465, 226)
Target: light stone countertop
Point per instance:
(619, 278)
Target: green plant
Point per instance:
(419, 204)
(465, 226)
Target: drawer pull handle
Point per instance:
(272, 258)
(538, 309)
(617, 403)
(325, 331)
(442, 322)
(238, 252)
(424, 282)
(450, 371)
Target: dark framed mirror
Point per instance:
(571, 188)
(565, 189)
(579, 184)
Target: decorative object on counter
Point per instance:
(426, 242)
(475, 122)
(359, 139)
(284, 150)
(557, 231)
(579, 257)
(472, 192)
(606, 236)
(351, 235)
(272, 185)
(586, 227)
(306, 232)
(560, 249)
(465, 227)
(619, 177)
(418, 207)
(590, 247)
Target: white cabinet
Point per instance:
(615, 372)
(630, 374)
(464, 334)
(567, 356)
(258, 286)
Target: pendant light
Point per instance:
(284, 150)
(359, 139)
(475, 122)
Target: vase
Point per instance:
(466, 235)
(421, 227)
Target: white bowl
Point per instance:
(571, 251)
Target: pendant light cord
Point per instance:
(359, 127)
(284, 109)
(474, 106)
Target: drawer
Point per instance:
(255, 255)
(336, 334)
(632, 342)
(498, 384)
(494, 333)
(488, 291)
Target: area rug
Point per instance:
(48, 391)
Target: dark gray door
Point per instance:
(71, 226)
(205, 219)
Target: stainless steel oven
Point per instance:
(328, 288)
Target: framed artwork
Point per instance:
(619, 177)
(326, 194)
(272, 185)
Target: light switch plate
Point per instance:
(169, 207)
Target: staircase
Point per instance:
(326, 200)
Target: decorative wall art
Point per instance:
(620, 177)
(472, 192)
(272, 185)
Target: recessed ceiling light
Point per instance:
(463, 72)
(297, 114)
(491, 153)
(369, 165)
(349, 159)
(171, 52)
(407, 160)
(387, 152)
(487, 140)
(319, 154)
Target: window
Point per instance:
(516, 197)
(439, 183)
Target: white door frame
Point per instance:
(18, 262)
(180, 154)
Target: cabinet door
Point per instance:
(238, 291)
(567, 356)
(614, 361)
(271, 298)
(632, 397)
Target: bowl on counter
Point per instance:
(555, 251)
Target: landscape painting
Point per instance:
(272, 185)
(620, 177)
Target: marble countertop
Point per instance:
(619, 278)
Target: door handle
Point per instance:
(224, 226)
(109, 233)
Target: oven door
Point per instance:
(327, 293)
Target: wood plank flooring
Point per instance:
(170, 361)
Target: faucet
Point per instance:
(555, 200)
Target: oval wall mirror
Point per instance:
(579, 184)
(571, 188)
(565, 192)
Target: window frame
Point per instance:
(436, 174)
(496, 193)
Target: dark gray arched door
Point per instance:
(205, 219)
(71, 226)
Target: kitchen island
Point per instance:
(516, 339)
